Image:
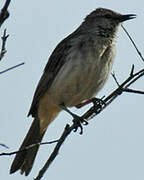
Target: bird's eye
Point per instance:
(108, 16)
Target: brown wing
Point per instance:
(56, 61)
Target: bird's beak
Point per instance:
(126, 17)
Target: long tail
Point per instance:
(25, 159)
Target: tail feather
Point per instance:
(24, 160)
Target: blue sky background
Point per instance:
(112, 146)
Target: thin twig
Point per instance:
(3, 48)
(128, 80)
(26, 148)
(3, 145)
(114, 76)
(140, 54)
(133, 91)
(127, 89)
(132, 70)
(13, 67)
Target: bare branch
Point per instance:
(127, 89)
(132, 70)
(26, 148)
(133, 91)
(4, 14)
(3, 145)
(13, 67)
(3, 49)
(140, 54)
(114, 76)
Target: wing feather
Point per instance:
(56, 61)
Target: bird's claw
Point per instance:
(78, 121)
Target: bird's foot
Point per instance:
(77, 120)
(98, 104)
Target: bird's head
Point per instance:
(105, 22)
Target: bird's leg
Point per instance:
(84, 103)
(77, 120)
(93, 100)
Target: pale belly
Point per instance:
(80, 80)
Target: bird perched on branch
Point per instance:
(76, 71)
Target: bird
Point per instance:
(76, 71)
